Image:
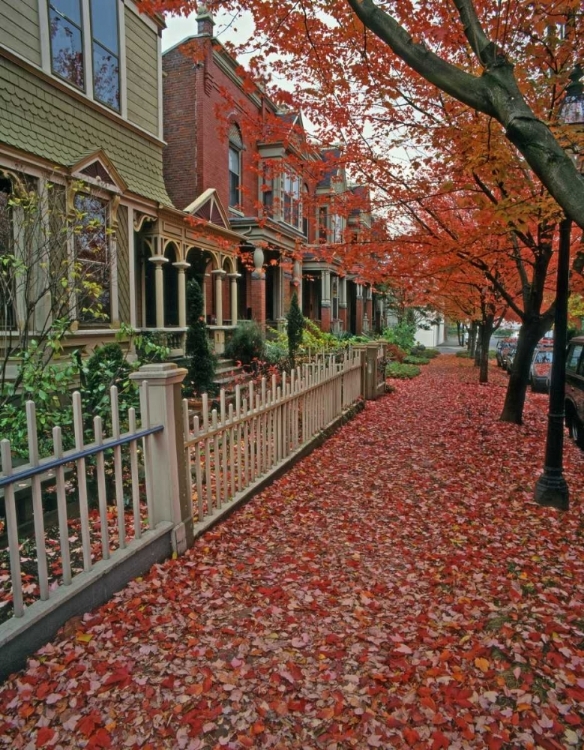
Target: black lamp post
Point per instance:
(551, 488)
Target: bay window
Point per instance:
(85, 47)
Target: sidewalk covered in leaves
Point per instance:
(398, 588)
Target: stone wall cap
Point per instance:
(159, 371)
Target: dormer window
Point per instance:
(85, 47)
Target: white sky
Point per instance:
(226, 29)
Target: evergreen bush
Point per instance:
(294, 328)
(201, 360)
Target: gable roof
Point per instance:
(208, 207)
(98, 169)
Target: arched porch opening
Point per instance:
(202, 263)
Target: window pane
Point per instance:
(234, 160)
(69, 8)
(91, 253)
(7, 287)
(233, 189)
(106, 77)
(66, 50)
(104, 23)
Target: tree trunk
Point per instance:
(529, 334)
(472, 338)
(487, 329)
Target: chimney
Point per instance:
(205, 22)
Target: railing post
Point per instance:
(171, 496)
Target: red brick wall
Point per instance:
(258, 301)
(369, 311)
(325, 319)
(343, 317)
(359, 316)
(196, 157)
(180, 128)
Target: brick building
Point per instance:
(273, 187)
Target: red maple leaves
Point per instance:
(398, 588)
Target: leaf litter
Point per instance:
(398, 588)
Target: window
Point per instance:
(305, 218)
(105, 51)
(235, 149)
(323, 224)
(7, 287)
(72, 44)
(267, 189)
(336, 228)
(92, 259)
(66, 28)
(292, 206)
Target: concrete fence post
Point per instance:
(171, 496)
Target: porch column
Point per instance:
(258, 288)
(343, 303)
(325, 305)
(359, 310)
(219, 273)
(234, 301)
(181, 267)
(159, 261)
(297, 281)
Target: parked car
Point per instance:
(507, 356)
(574, 400)
(540, 370)
(501, 350)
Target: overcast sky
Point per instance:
(226, 29)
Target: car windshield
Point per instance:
(542, 357)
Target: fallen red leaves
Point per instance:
(398, 588)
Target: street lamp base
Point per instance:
(551, 491)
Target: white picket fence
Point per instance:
(130, 519)
(228, 449)
(155, 486)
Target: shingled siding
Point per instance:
(141, 73)
(42, 120)
(19, 28)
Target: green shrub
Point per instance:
(107, 366)
(247, 343)
(410, 359)
(464, 354)
(201, 360)
(401, 371)
(428, 353)
(276, 353)
(294, 328)
(403, 334)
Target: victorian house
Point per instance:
(81, 89)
